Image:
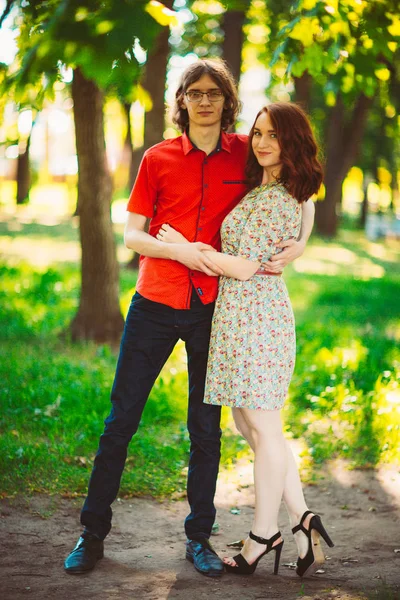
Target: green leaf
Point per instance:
(281, 49)
(161, 13)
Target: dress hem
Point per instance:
(244, 406)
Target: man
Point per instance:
(191, 182)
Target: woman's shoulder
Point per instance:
(274, 193)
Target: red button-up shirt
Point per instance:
(181, 185)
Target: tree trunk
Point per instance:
(128, 156)
(325, 211)
(154, 79)
(364, 205)
(302, 86)
(128, 151)
(232, 26)
(394, 185)
(343, 144)
(133, 264)
(23, 173)
(369, 177)
(154, 83)
(99, 317)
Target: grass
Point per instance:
(55, 396)
(344, 396)
(345, 393)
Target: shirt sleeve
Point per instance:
(143, 197)
(277, 218)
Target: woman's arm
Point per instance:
(188, 254)
(232, 266)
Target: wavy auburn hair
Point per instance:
(223, 78)
(301, 172)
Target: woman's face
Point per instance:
(265, 144)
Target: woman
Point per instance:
(252, 348)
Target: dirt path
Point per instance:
(144, 552)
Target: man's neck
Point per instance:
(205, 138)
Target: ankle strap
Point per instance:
(300, 527)
(261, 540)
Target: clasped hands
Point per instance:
(198, 257)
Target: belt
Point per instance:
(262, 272)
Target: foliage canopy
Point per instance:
(102, 39)
(349, 45)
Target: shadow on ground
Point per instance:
(144, 554)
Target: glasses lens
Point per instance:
(194, 96)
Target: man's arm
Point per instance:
(243, 269)
(307, 221)
(292, 249)
(190, 255)
(236, 267)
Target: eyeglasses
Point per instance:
(197, 96)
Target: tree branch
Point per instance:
(6, 11)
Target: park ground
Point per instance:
(345, 289)
(144, 553)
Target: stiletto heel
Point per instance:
(243, 567)
(278, 550)
(314, 557)
(322, 531)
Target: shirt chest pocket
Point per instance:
(234, 181)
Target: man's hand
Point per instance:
(191, 255)
(292, 249)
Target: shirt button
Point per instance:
(199, 228)
(203, 208)
(206, 185)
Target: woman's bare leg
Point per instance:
(295, 502)
(242, 426)
(292, 492)
(264, 430)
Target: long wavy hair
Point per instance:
(301, 171)
(220, 73)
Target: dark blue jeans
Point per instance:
(151, 332)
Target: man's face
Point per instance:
(204, 111)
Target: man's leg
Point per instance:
(148, 339)
(205, 440)
(205, 443)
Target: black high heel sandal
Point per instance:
(243, 567)
(314, 557)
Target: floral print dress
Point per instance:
(253, 344)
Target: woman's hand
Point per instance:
(170, 235)
(190, 254)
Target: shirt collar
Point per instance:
(186, 143)
(223, 143)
